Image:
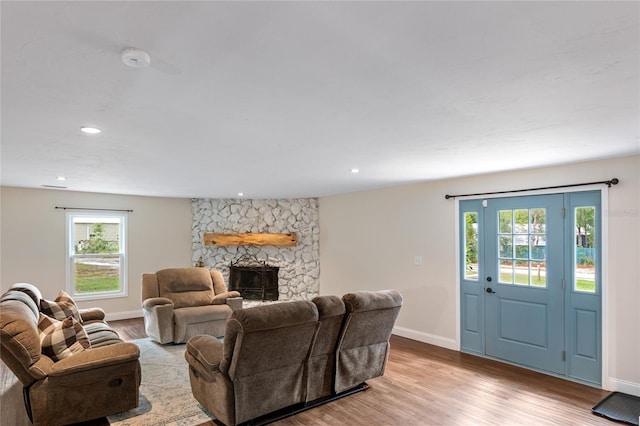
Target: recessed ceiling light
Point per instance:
(240, 194)
(90, 130)
(355, 171)
(61, 178)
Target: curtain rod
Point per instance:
(92, 209)
(613, 181)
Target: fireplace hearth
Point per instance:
(254, 280)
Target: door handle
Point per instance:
(489, 290)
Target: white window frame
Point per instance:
(70, 250)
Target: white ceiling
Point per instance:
(282, 99)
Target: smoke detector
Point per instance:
(135, 58)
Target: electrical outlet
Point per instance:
(417, 260)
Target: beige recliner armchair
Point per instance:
(179, 303)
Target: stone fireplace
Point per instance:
(298, 266)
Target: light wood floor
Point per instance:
(429, 385)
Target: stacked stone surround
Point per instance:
(298, 277)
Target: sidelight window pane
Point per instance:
(471, 246)
(585, 249)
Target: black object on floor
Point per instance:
(620, 407)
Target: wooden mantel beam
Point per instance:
(248, 239)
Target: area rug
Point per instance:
(165, 392)
(619, 407)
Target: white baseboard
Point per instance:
(123, 315)
(432, 339)
(623, 386)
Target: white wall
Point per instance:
(33, 240)
(368, 240)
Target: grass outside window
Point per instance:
(96, 279)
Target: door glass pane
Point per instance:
(522, 247)
(585, 238)
(506, 220)
(522, 273)
(506, 246)
(521, 219)
(506, 271)
(537, 221)
(538, 246)
(471, 246)
(539, 274)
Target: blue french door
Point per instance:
(530, 282)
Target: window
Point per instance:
(471, 246)
(96, 247)
(585, 249)
(522, 245)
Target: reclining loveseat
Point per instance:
(281, 358)
(81, 371)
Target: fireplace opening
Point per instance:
(254, 280)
